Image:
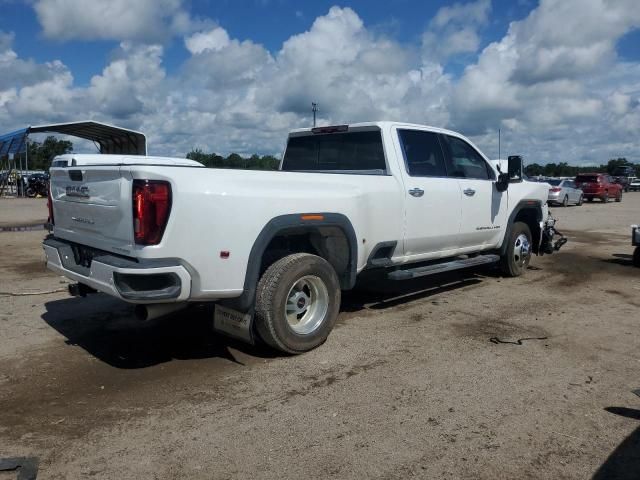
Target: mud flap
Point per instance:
(233, 323)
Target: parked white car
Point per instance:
(275, 249)
(563, 192)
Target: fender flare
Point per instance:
(245, 302)
(525, 204)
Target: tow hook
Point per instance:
(549, 231)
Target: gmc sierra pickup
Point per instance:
(273, 250)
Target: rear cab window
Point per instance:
(355, 152)
(422, 153)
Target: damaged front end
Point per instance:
(551, 240)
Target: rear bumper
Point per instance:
(141, 281)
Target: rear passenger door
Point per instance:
(432, 200)
(483, 208)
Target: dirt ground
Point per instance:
(409, 384)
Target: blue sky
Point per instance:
(210, 74)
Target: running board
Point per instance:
(410, 273)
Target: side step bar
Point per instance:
(410, 273)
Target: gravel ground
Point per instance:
(409, 384)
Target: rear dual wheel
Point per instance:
(297, 303)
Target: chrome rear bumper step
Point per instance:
(408, 274)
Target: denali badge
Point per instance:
(77, 191)
(88, 221)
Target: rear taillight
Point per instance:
(151, 207)
(50, 207)
(555, 189)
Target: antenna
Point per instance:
(314, 109)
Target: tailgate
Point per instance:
(92, 206)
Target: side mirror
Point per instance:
(515, 169)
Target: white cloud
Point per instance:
(454, 30)
(215, 40)
(540, 78)
(145, 20)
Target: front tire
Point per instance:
(636, 257)
(297, 303)
(619, 197)
(580, 200)
(516, 259)
(565, 201)
(605, 198)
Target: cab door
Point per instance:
(432, 200)
(483, 207)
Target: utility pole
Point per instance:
(314, 109)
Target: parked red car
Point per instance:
(599, 185)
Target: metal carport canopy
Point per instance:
(111, 139)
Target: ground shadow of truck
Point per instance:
(624, 462)
(107, 329)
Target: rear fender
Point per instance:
(300, 222)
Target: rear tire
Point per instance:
(31, 192)
(580, 201)
(605, 197)
(516, 259)
(619, 197)
(565, 201)
(589, 199)
(636, 257)
(297, 303)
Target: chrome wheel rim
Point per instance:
(307, 304)
(521, 250)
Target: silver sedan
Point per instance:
(564, 192)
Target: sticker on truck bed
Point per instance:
(233, 323)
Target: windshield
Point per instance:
(587, 178)
(351, 152)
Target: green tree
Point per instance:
(41, 154)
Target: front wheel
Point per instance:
(605, 198)
(565, 201)
(297, 303)
(580, 200)
(636, 257)
(31, 192)
(619, 197)
(516, 259)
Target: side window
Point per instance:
(463, 161)
(422, 153)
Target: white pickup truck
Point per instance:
(275, 249)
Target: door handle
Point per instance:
(469, 192)
(416, 192)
